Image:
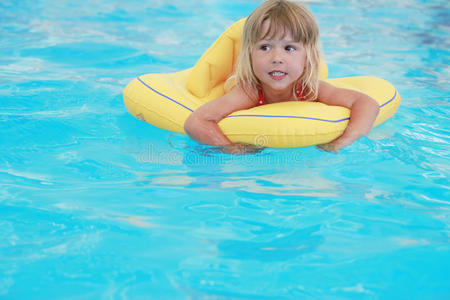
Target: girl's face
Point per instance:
(278, 62)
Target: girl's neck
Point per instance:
(273, 96)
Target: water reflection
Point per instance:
(286, 246)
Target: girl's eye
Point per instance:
(289, 48)
(264, 47)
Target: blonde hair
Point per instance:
(287, 17)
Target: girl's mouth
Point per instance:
(277, 75)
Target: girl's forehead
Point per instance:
(271, 30)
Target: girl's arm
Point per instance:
(364, 111)
(202, 126)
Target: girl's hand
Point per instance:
(363, 113)
(241, 149)
(337, 144)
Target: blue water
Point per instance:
(95, 204)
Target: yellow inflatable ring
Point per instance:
(166, 100)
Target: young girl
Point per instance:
(279, 61)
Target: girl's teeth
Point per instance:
(277, 73)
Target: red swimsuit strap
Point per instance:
(299, 94)
(260, 97)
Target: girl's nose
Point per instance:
(276, 57)
(276, 61)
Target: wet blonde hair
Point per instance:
(284, 16)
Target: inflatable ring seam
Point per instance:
(254, 115)
(165, 96)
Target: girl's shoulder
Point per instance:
(242, 94)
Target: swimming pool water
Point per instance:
(95, 204)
